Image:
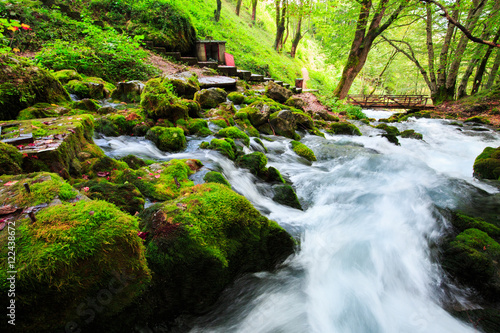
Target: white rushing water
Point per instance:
(364, 263)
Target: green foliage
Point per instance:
(302, 150)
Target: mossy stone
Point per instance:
(68, 255)
(304, 151)
(390, 130)
(42, 110)
(199, 127)
(343, 128)
(185, 87)
(234, 133)
(66, 75)
(200, 242)
(411, 134)
(210, 98)
(285, 195)
(477, 120)
(129, 92)
(216, 177)
(133, 162)
(224, 146)
(87, 104)
(22, 85)
(159, 101)
(255, 162)
(167, 138)
(277, 92)
(11, 160)
(487, 164)
(236, 97)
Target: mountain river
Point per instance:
(366, 261)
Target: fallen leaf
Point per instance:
(12, 182)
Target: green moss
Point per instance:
(125, 196)
(477, 120)
(10, 160)
(222, 123)
(44, 187)
(41, 110)
(236, 97)
(224, 146)
(241, 115)
(247, 127)
(343, 128)
(412, 134)
(274, 175)
(22, 85)
(70, 253)
(199, 127)
(302, 150)
(159, 101)
(463, 222)
(285, 195)
(67, 75)
(210, 98)
(259, 141)
(200, 242)
(87, 105)
(234, 133)
(255, 162)
(487, 164)
(133, 162)
(390, 130)
(216, 177)
(167, 138)
(159, 181)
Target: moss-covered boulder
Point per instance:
(200, 242)
(477, 120)
(167, 138)
(487, 164)
(473, 259)
(75, 257)
(343, 128)
(58, 143)
(159, 101)
(210, 98)
(90, 87)
(185, 86)
(86, 104)
(283, 123)
(216, 177)
(11, 160)
(66, 75)
(285, 195)
(120, 123)
(129, 92)
(236, 97)
(42, 110)
(257, 117)
(255, 162)
(159, 181)
(304, 151)
(391, 130)
(22, 85)
(133, 162)
(234, 133)
(296, 102)
(302, 120)
(225, 146)
(277, 92)
(125, 196)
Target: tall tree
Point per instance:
(494, 70)
(366, 32)
(298, 12)
(281, 10)
(217, 11)
(238, 7)
(254, 11)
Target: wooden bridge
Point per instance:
(415, 102)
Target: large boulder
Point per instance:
(255, 162)
(277, 92)
(283, 123)
(23, 84)
(129, 92)
(185, 85)
(74, 256)
(210, 98)
(296, 102)
(11, 160)
(90, 87)
(159, 101)
(42, 110)
(225, 146)
(258, 117)
(200, 242)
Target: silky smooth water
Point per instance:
(364, 263)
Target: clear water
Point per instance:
(365, 262)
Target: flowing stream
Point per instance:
(365, 261)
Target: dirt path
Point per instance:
(305, 76)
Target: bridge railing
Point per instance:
(403, 101)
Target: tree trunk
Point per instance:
(494, 71)
(478, 78)
(238, 7)
(254, 11)
(363, 41)
(218, 10)
(280, 23)
(430, 52)
(297, 38)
